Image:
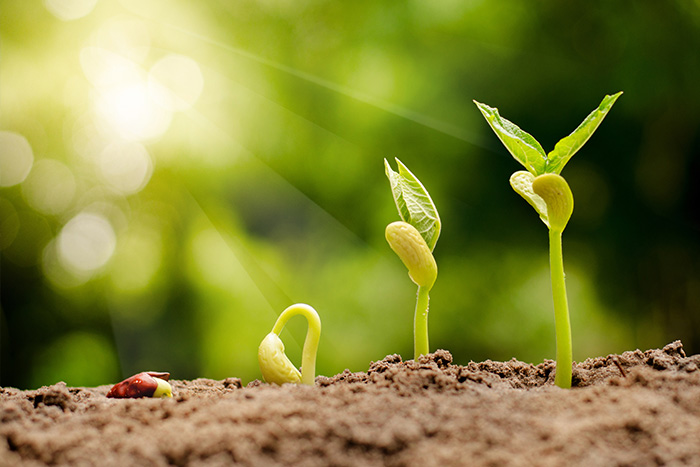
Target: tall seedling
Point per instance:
(550, 195)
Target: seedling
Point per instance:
(146, 384)
(275, 366)
(413, 240)
(550, 195)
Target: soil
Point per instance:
(636, 409)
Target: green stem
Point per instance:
(420, 323)
(313, 334)
(562, 325)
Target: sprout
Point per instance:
(550, 195)
(275, 366)
(146, 384)
(413, 240)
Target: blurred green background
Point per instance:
(173, 174)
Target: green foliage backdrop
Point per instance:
(174, 174)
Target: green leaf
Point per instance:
(524, 148)
(521, 181)
(568, 146)
(414, 203)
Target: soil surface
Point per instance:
(635, 409)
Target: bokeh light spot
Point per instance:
(136, 261)
(85, 244)
(50, 187)
(214, 262)
(176, 82)
(126, 166)
(68, 10)
(16, 158)
(55, 273)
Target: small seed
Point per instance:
(146, 384)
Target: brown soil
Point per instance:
(636, 409)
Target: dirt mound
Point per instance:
(638, 408)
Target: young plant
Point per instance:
(413, 240)
(275, 366)
(146, 384)
(550, 195)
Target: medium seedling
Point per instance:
(413, 240)
(550, 195)
(275, 366)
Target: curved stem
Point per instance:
(420, 323)
(562, 325)
(313, 334)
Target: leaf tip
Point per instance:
(609, 100)
(485, 109)
(387, 169)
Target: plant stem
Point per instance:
(420, 323)
(313, 334)
(562, 325)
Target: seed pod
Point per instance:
(410, 246)
(146, 384)
(554, 190)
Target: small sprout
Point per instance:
(146, 384)
(550, 195)
(413, 240)
(275, 366)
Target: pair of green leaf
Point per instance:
(414, 203)
(528, 151)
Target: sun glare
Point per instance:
(132, 113)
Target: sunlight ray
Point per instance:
(214, 128)
(269, 289)
(408, 114)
